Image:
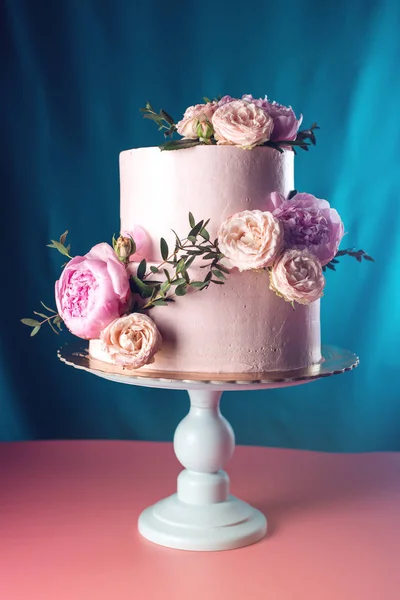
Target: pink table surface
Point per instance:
(68, 513)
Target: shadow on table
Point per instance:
(298, 483)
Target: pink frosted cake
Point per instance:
(219, 264)
(239, 326)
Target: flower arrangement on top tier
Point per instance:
(107, 293)
(246, 122)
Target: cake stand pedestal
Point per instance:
(203, 515)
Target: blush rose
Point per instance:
(297, 277)
(250, 239)
(132, 340)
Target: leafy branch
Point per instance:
(359, 255)
(53, 319)
(163, 120)
(60, 245)
(303, 140)
(175, 279)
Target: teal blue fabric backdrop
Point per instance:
(74, 75)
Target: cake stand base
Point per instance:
(203, 515)
(221, 526)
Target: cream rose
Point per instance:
(131, 340)
(251, 239)
(297, 277)
(242, 124)
(199, 114)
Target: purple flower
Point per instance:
(286, 125)
(309, 223)
(225, 100)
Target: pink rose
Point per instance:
(92, 291)
(242, 124)
(195, 115)
(142, 241)
(132, 340)
(251, 239)
(297, 277)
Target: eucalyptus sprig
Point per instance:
(163, 120)
(303, 140)
(173, 277)
(60, 245)
(359, 255)
(53, 319)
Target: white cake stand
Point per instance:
(202, 515)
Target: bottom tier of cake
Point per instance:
(241, 326)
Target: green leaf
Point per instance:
(164, 249)
(190, 261)
(144, 290)
(30, 322)
(180, 144)
(167, 275)
(192, 222)
(192, 239)
(179, 281)
(57, 319)
(165, 287)
(198, 284)
(210, 255)
(47, 308)
(223, 268)
(167, 117)
(178, 243)
(35, 330)
(60, 247)
(194, 252)
(218, 274)
(160, 302)
(216, 281)
(154, 269)
(151, 116)
(41, 314)
(367, 257)
(204, 234)
(180, 266)
(181, 290)
(141, 270)
(196, 229)
(63, 237)
(207, 277)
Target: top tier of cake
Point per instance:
(158, 189)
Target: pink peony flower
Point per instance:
(132, 340)
(92, 291)
(142, 241)
(242, 124)
(200, 113)
(286, 124)
(297, 277)
(309, 223)
(251, 239)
